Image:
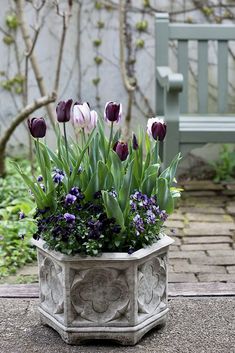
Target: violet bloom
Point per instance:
(163, 216)
(113, 112)
(21, 215)
(121, 148)
(156, 128)
(58, 176)
(84, 118)
(70, 218)
(70, 199)
(75, 191)
(151, 218)
(37, 127)
(63, 111)
(40, 178)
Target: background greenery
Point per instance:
(14, 197)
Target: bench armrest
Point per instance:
(169, 80)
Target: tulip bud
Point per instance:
(63, 111)
(156, 128)
(37, 127)
(113, 112)
(84, 118)
(121, 148)
(135, 144)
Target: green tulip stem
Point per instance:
(110, 140)
(41, 162)
(66, 144)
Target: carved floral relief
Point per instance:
(100, 295)
(151, 285)
(51, 285)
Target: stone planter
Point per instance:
(115, 296)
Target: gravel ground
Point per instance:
(202, 325)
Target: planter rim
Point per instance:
(163, 242)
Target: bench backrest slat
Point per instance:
(201, 31)
(183, 69)
(202, 34)
(222, 76)
(202, 76)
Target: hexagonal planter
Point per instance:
(115, 296)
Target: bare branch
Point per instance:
(23, 114)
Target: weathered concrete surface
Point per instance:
(202, 325)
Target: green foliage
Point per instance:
(97, 42)
(142, 26)
(98, 60)
(14, 84)
(96, 81)
(12, 21)
(224, 167)
(8, 40)
(14, 251)
(100, 24)
(140, 43)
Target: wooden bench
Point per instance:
(185, 131)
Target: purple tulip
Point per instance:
(121, 148)
(70, 218)
(63, 111)
(135, 144)
(113, 112)
(37, 127)
(156, 128)
(84, 117)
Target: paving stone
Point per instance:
(185, 254)
(221, 252)
(174, 224)
(217, 246)
(216, 277)
(228, 192)
(177, 240)
(176, 217)
(178, 261)
(174, 248)
(205, 209)
(201, 185)
(182, 278)
(231, 210)
(205, 240)
(172, 232)
(216, 260)
(203, 217)
(192, 268)
(206, 228)
(230, 269)
(198, 193)
(215, 200)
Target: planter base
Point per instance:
(116, 296)
(123, 335)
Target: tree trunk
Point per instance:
(2, 163)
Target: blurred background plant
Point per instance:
(15, 248)
(224, 166)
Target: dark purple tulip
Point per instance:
(113, 112)
(63, 111)
(37, 127)
(135, 144)
(156, 128)
(121, 148)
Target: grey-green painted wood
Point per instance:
(186, 132)
(202, 76)
(183, 69)
(161, 54)
(222, 76)
(201, 31)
